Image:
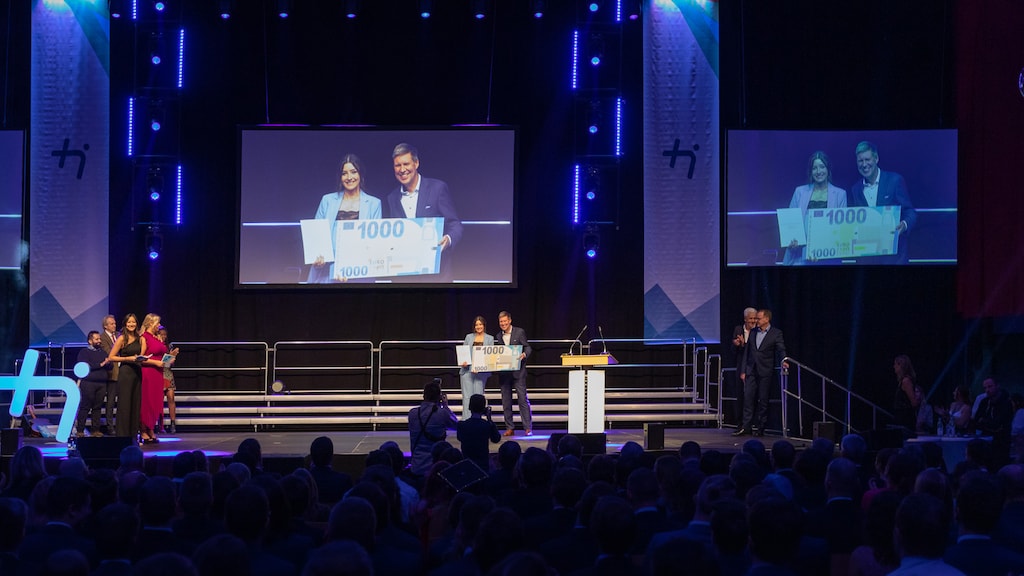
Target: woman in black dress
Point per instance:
(127, 348)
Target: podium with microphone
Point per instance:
(586, 388)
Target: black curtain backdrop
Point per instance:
(784, 65)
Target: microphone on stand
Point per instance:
(573, 343)
(603, 341)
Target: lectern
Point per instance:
(586, 391)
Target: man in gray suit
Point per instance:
(107, 338)
(764, 351)
(513, 335)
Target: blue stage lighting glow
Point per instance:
(154, 125)
(576, 196)
(225, 15)
(177, 200)
(618, 127)
(593, 6)
(591, 253)
(155, 59)
(618, 10)
(424, 15)
(159, 6)
(131, 124)
(538, 15)
(153, 254)
(595, 61)
(575, 55)
(154, 195)
(478, 16)
(135, 9)
(591, 195)
(592, 129)
(181, 56)
(350, 15)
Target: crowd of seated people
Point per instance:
(764, 510)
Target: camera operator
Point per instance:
(428, 424)
(475, 432)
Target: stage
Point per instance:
(283, 451)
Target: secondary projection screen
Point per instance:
(12, 164)
(806, 198)
(303, 224)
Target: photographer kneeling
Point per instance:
(428, 424)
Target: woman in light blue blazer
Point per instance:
(819, 192)
(350, 202)
(473, 382)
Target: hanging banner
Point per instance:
(69, 170)
(682, 283)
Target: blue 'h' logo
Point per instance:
(26, 381)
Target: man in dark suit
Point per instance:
(419, 197)
(107, 338)
(877, 188)
(513, 335)
(763, 352)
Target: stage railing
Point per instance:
(829, 388)
(224, 359)
(341, 349)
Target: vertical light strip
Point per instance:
(181, 55)
(131, 126)
(618, 127)
(576, 196)
(618, 10)
(177, 199)
(135, 9)
(575, 55)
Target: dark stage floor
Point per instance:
(291, 445)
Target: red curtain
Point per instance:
(990, 116)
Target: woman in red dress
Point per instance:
(152, 380)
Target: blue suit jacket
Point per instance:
(518, 336)
(892, 191)
(369, 209)
(433, 200)
(762, 361)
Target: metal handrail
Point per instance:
(264, 368)
(826, 384)
(277, 367)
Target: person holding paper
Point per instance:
(350, 202)
(473, 382)
(877, 188)
(152, 405)
(169, 386)
(512, 335)
(420, 197)
(819, 192)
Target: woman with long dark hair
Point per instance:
(127, 349)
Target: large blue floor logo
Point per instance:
(26, 381)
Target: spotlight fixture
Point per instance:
(479, 9)
(351, 9)
(593, 6)
(592, 182)
(154, 244)
(632, 9)
(284, 8)
(538, 9)
(156, 116)
(156, 48)
(426, 7)
(278, 387)
(116, 8)
(591, 242)
(224, 8)
(159, 5)
(154, 184)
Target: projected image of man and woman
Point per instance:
(854, 204)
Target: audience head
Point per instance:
(841, 478)
(535, 468)
(922, 526)
(251, 447)
(642, 488)
(689, 451)
(397, 456)
(247, 513)
(477, 404)
(509, 454)
(66, 562)
(432, 391)
(183, 464)
(601, 468)
(339, 558)
(1012, 477)
(522, 564)
(130, 460)
(353, 519)
(901, 472)
(775, 526)
(376, 498)
(117, 529)
(157, 501)
(713, 490)
(613, 525)
(74, 467)
(27, 467)
(222, 555)
(853, 447)
(68, 500)
(570, 445)
(195, 494)
(879, 523)
(567, 487)
(979, 503)
(729, 531)
(756, 449)
(500, 533)
(13, 520)
(594, 492)
(321, 451)
(165, 564)
(783, 455)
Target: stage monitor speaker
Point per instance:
(827, 430)
(593, 443)
(103, 452)
(654, 436)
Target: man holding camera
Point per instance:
(428, 424)
(474, 432)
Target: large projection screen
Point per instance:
(288, 174)
(768, 170)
